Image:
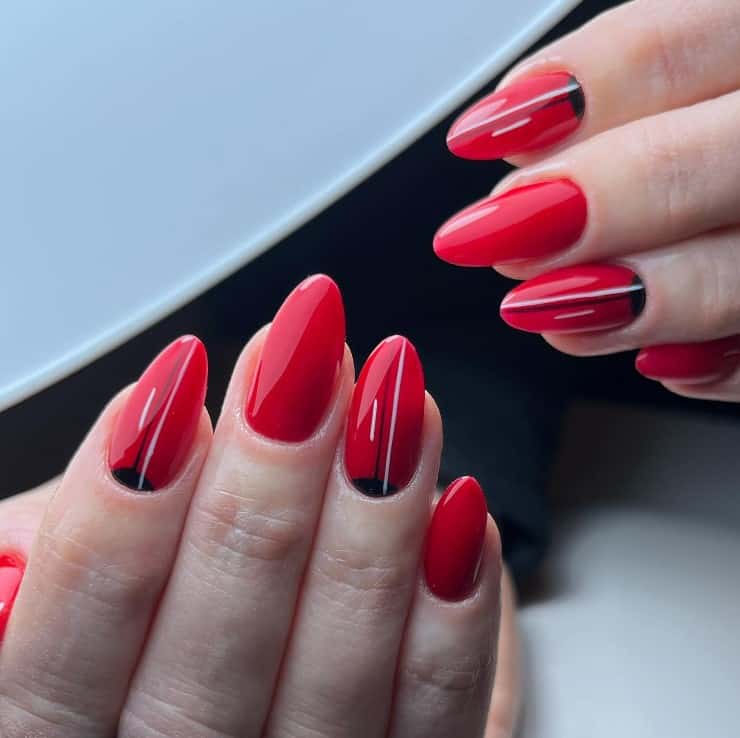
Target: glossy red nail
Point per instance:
(530, 114)
(690, 363)
(385, 419)
(156, 428)
(528, 222)
(592, 297)
(300, 359)
(11, 574)
(455, 540)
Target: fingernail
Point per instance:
(156, 428)
(385, 419)
(690, 363)
(300, 359)
(455, 540)
(11, 573)
(575, 299)
(528, 222)
(524, 116)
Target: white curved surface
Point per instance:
(637, 633)
(150, 149)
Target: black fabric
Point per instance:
(502, 393)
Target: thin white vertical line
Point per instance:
(374, 418)
(394, 414)
(147, 404)
(163, 417)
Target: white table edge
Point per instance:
(93, 349)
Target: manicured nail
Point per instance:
(455, 540)
(300, 359)
(527, 115)
(690, 363)
(593, 297)
(11, 573)
(156, 427)
(385, 419)
(529, 222)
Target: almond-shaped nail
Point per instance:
(299, 363)
(588, 297)
(690, 363)
(455, 540)
(529, 222)
(385, 419)
(155, 429)
(525, 116)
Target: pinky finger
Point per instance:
(706, 370)
(448, 661)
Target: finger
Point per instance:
(215, 649)
(706, 370)
(726, 389)
(576, 88)
(690, 363)
(675, 177)
(447, 665)
(506, 701)
(19, 520)
(102, 554)
(684, 293)
(340, 664)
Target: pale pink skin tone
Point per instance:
(656, 155)
(279, 583)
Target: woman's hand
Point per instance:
(625, 216)
(263, 578)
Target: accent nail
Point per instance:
(12, 568)
(385, 419)
(530, 114)
(529, 222)
(300, 360)
(690, 363)
(594, 297)
(156, 428)
(455, 540)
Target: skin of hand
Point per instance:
(623, 218)
(259, 578)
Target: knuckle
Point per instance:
(156, 718)
(234, 529)
(670, 48)
(461, 675)
(25, 714)
(360, 582)
(671, 168)
(110, 586)
(719, 296)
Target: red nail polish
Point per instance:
(11, 573)
(156, 427)
(385, 419)
(528, 222)
(455, 540)
(298, 367)
(690, 363)
(591, 297)
(530, 114)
